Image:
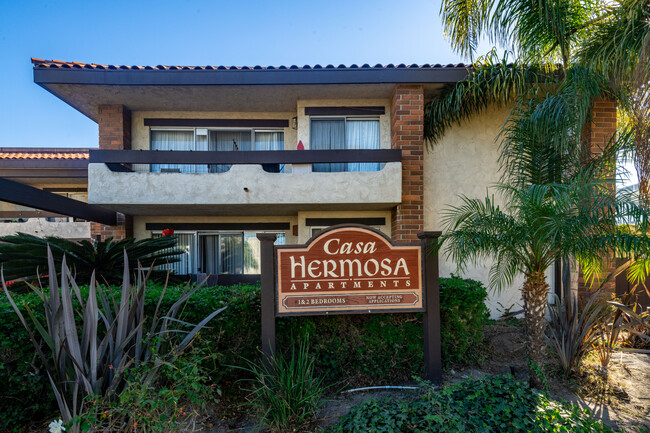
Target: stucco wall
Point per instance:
(465, 162)
(41, 228)
(304, 231)
(140, 231)
(140, 133)
(244, 185)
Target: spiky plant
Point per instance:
(90, 357)
(578, 327)
(25, 257)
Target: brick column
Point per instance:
(600, 132)
(114, 122)
(407, 116)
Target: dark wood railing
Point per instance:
(117, 160)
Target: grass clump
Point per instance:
(286, 391)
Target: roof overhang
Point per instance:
(84, 86)
(44, 165)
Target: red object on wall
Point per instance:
(300, 145)
(167, 232)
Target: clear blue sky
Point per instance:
(193, 33)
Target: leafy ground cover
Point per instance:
(488, 404)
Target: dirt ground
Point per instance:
(622, 401)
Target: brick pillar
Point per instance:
(114, 122)
(600, 132)
(407, 124)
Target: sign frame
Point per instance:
(430, 295)
(421, 292)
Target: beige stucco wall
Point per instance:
(304, 231)
(384, 120)
(140, 231)
(465, 162)
(41, 228)
(244, 185)
(140, 133)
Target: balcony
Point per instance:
(117, 180)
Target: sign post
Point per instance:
(267, 283)
(351, 269)
(431, 316)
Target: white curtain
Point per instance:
(186, 264)
(252, 251)
(362, 134)
(209, 254)
(228, 140)
(172, 140)
(270, 140)
(232, 254)
(327, 134)
(201, 144)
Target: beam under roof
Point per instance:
(24, 195)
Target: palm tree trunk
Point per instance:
(534, 294)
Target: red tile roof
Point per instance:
(54, 153)
(58, 64)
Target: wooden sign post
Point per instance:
(351, 269)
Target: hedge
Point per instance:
(350, 350)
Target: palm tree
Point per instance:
(610, 40)
(559, 205)
(619, 48)
(24, 256)
(555, 208)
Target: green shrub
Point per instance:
(463, 313)
(356, 350)
(25, 394)
(170, 404)
(492, 404)
(86, 348)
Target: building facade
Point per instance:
(219, 154)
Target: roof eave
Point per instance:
(44, 76)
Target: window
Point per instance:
(316, 230)
(172, 140)
(329, 133)
(214, 140)
(219, 253)
(186, 242)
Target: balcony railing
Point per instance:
(122, 160)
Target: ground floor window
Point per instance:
(219, 253)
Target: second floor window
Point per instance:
(214, 140)
(332, 133)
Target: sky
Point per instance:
(188, 32)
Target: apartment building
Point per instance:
(218, 154)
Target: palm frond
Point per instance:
(464, 22)
(23, 255)
(620, 44)
(493, 82)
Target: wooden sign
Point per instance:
(348, 269)
(351, 269)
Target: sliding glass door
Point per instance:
(334, 133)
(218, 253)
